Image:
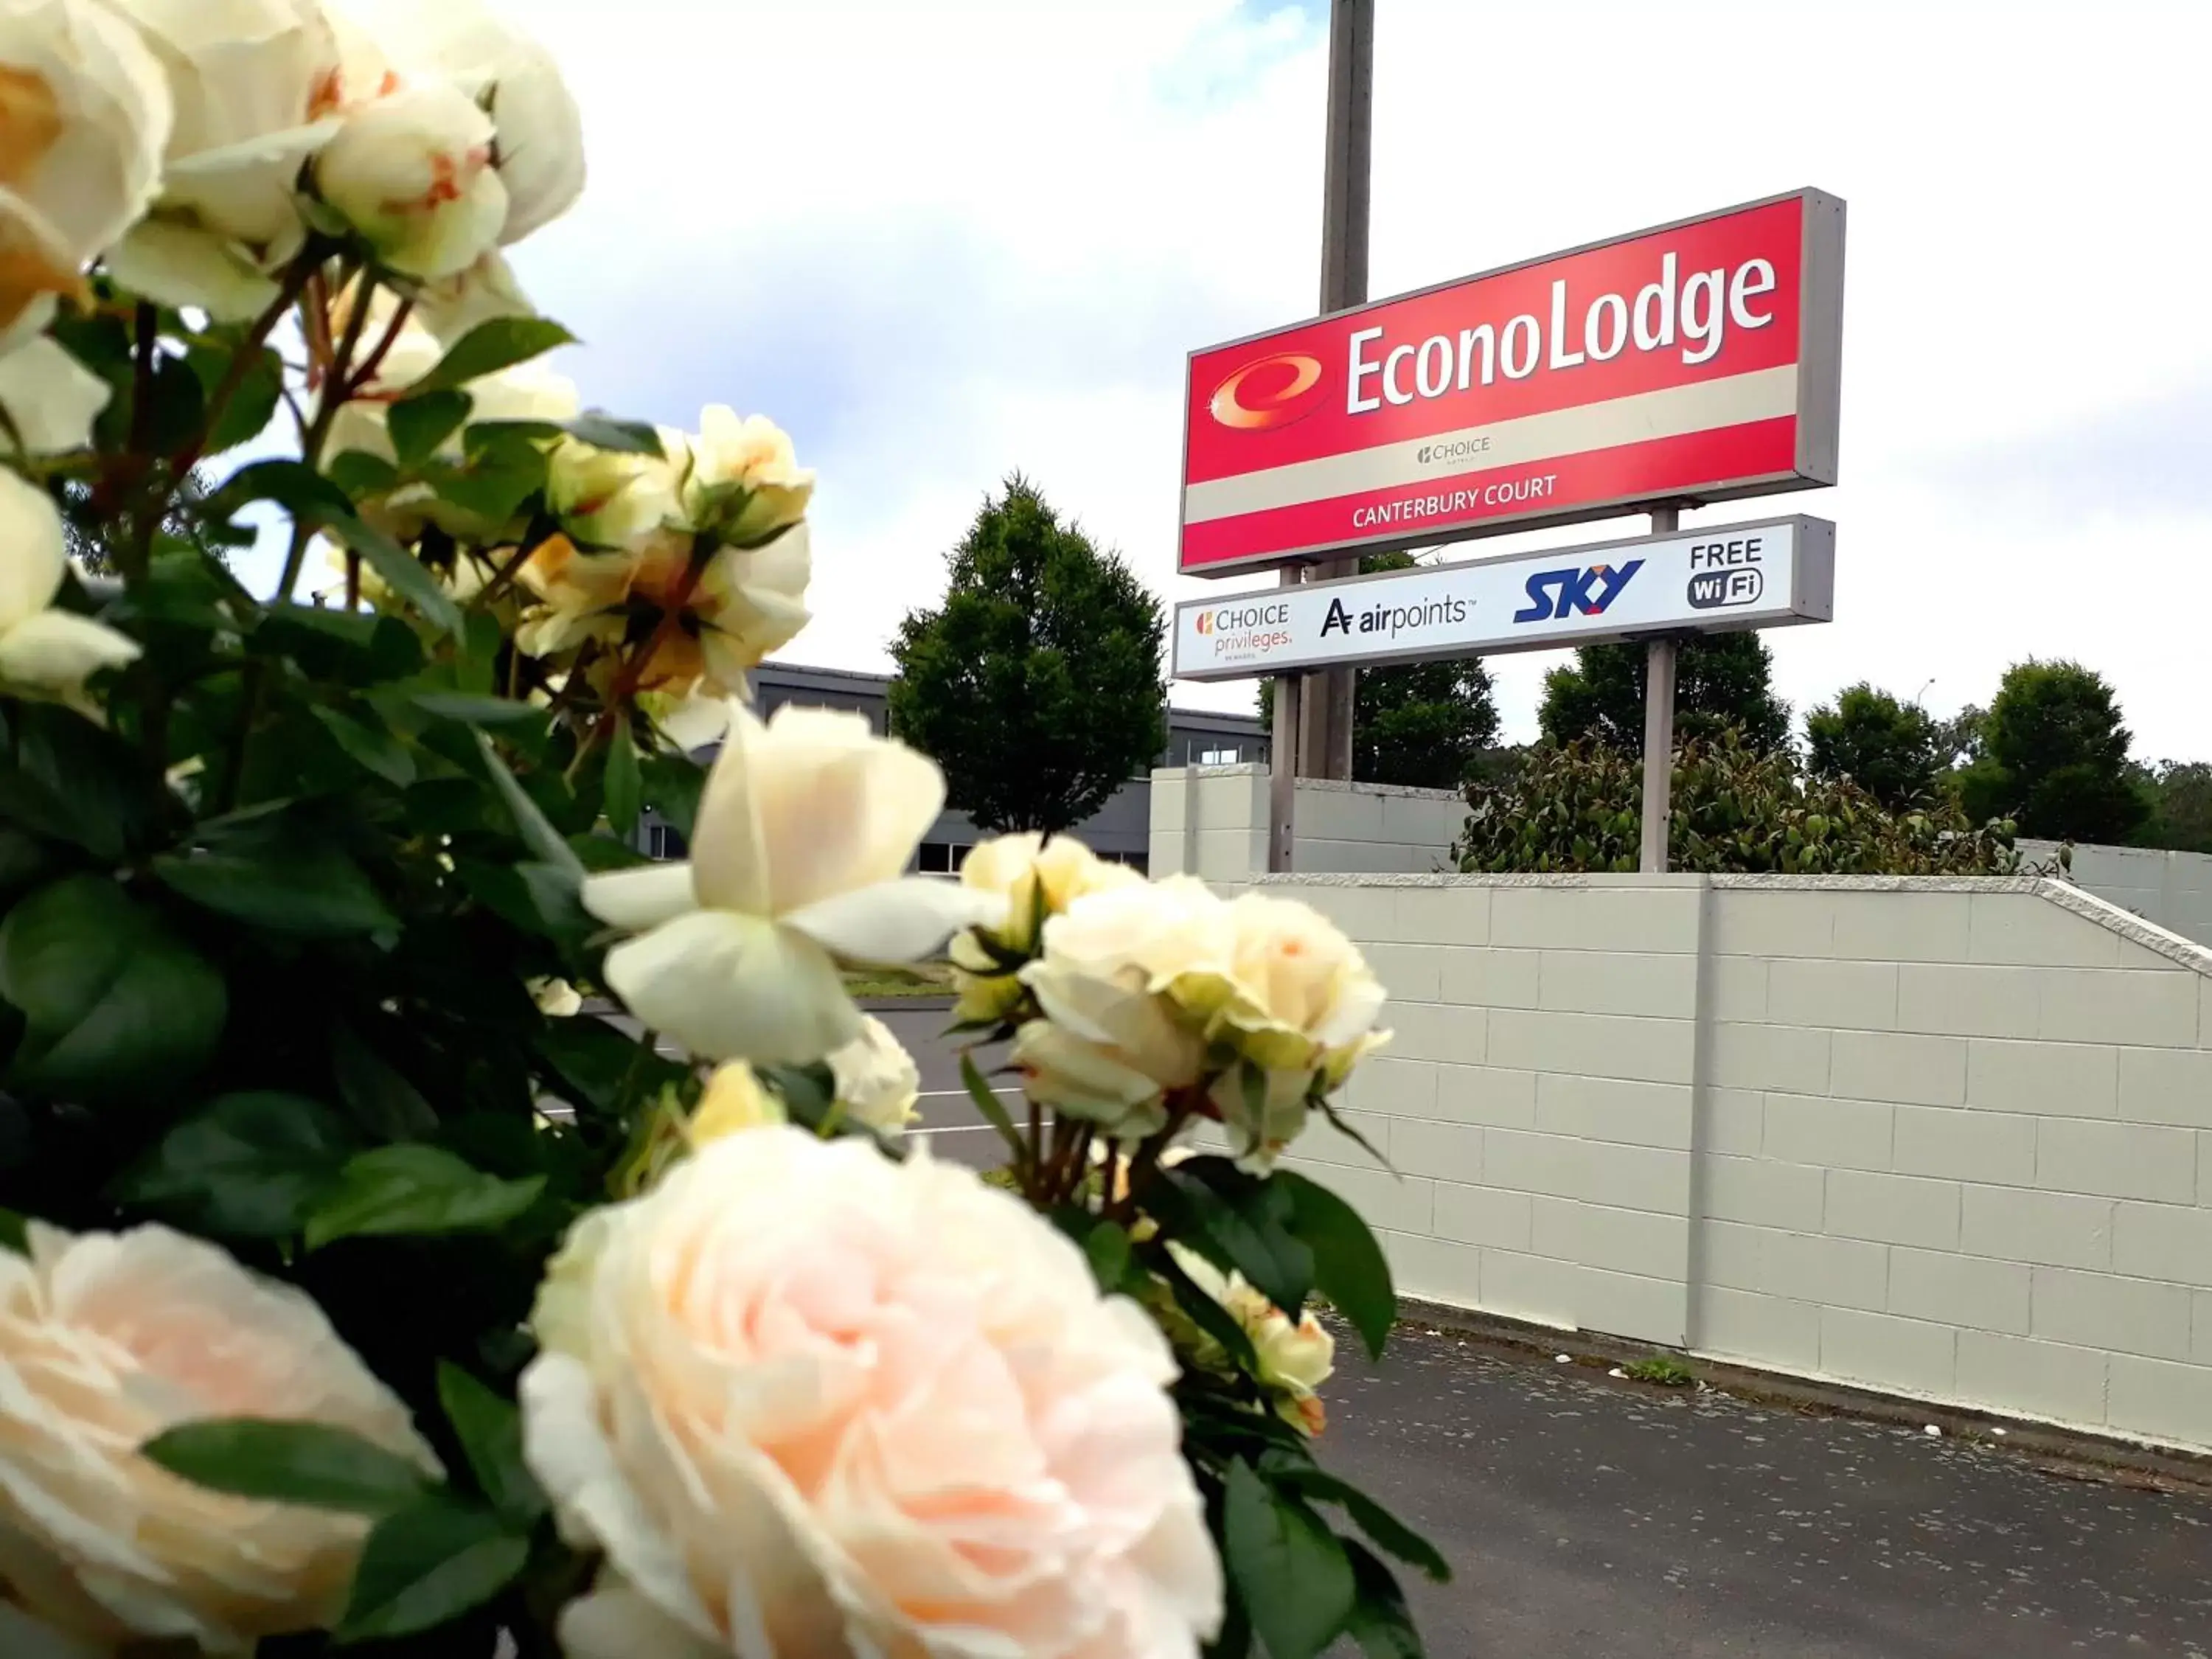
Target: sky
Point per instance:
(940, 242)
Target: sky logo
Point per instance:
(1554, 595)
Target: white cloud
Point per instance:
(943, 242)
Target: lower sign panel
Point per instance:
(1772, 574)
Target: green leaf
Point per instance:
(251, 401)
(1235, 1220)
(602, 431)
(602, 1069)
(426, 1565)
(15, 1232)
(1291, 1570)
(74, 783)
(624, 785)
(380, 1097)
(421, 421)
(375, 749)
(414, 1189)
(286, 881)
(1380, 1622)
(673, 786)
(293, 485)
(491, 346)
(402, 573)
(1106, 1250)
(112, 1002)
(537, 833)
(472, 710)
(359, 473)
(533, 897)
(492, 485)
(489, 1429)
(1349, 1265)
(307, 1463)
(1377, 1522)
(246, 1165)
(993, 1108)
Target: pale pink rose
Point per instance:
(107, 1340)
(813, 1404)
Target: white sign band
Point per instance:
(1774, 573)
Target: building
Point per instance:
(1121, 829)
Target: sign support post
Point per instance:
(1662, 657)
(1325, 736)
(1282, 757)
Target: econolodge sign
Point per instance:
(1696, 362)
(1717, 579)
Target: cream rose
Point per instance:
(540, 151)
(50, 399)
(746, 604)
(84, 115)
(742, 481)
(257, 85)
(876, 1080)
(1113, 1040)
(107, 1340)
(1296, 1355)
(811, 1402)
(412, 172)
(732, 1101)
(799, 853)
(44, 653)
(1036, 878)
(609, 498)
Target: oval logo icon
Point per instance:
(1269, 392)
(1206, 621)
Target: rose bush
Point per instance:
(424, 1220)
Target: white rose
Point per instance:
(746, 603)
(1112, 1041)
(886, 1411)
(412, 172)
(541, 139)
(732, 1101)
(44, 653)
(609, 498)
(1296, 1357)
(799, 853)
(742, 481)
(876, 1080)
(487, 290)
(107, 1340)
(556, 997)
(84, 114)
(49, 398)
(257, 85)
(1297, 994)
(1034, 877)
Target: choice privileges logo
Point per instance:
(1267, 392)
(1554, 595)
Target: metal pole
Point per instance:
(1283, 762)
(1326, 730)
(1661, 659)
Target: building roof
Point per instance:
(790, 676)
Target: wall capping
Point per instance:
(2064, 894)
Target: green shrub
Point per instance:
(1735, 809)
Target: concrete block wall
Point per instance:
(2173, 890)
(1950, 1139)
(1212, 821)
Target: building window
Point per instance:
(1220, 757)
(664, 842)
(936, 858)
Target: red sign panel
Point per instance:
(1692, 363)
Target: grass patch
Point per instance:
(898, 982)
(1663, 1372)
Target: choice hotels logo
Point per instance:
(1269, 392)
(1206, 621)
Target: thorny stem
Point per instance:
(632, 670)
(375, 360)
(241, 364)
